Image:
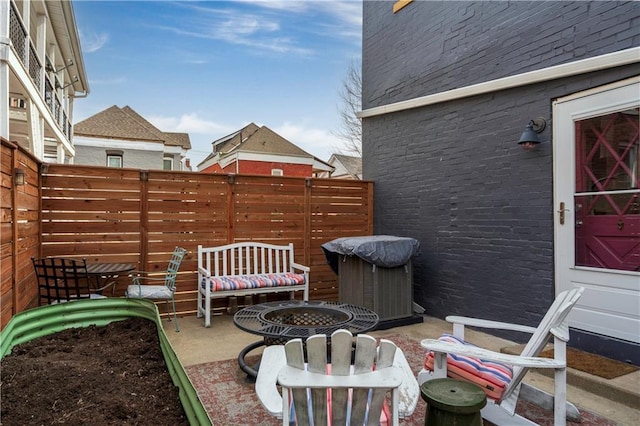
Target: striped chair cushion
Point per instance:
(491, 376)
(241, 282)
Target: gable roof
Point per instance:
(126, 123)
(178, 139)
(227, 143)
(252, 138)
(353, 165)
(264, 140)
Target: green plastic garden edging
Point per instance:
(45, 320)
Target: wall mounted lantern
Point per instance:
(529, 138)
(19, 176)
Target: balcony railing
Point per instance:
(28, 55)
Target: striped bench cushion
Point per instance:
(241, 282)
(491, 376)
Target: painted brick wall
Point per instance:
(481, 207)
(264, 168)
(430, 47)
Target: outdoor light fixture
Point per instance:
(19, 176)
(529, 138)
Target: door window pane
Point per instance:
(607, 197)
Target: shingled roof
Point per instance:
(352, 164)
(126, 123)
(227, 143)
(252, 138)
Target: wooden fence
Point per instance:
(138, 216)
(19, 230)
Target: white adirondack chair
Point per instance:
(358, 388)
(502, 411)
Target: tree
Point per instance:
(351, 126)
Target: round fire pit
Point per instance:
(278, 322)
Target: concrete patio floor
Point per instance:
(617, 399)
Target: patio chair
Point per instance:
(349, 389)
(62, 280)
(500, 375)
(164, 291)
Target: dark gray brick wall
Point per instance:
(432, 46)
(452, 174)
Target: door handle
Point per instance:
(562, 211)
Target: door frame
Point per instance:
(592, 305)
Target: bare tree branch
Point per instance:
(351, 127)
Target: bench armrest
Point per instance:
(204, 271)
(300, 267)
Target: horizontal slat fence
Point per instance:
(138, 216)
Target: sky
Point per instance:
(208, 68)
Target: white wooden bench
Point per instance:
(247, 268)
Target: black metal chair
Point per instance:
(62, 280)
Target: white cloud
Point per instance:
(201, 132)
(350, 12)
(189, 123)
(93, 42)
(318, 142)
(267, 27)
(281, 5)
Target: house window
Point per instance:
(277, 172)
(167, 163)
(19, 103)
(114, 159)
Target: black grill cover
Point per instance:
(385, 251)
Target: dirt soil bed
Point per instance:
(96, 375)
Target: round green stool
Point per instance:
(452, 402)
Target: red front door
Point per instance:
(607, 199)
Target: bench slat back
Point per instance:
(248, 259)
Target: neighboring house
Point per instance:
(346, 167)
(41, 73)
(448, 88)
(260, 151)
(120, 137)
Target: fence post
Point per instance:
(14, 231)
(144, 220)
(370, 209)
(231, 198)
(308, 184)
